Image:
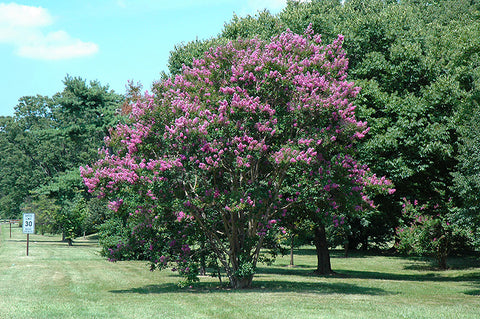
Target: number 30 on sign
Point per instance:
(28, 223)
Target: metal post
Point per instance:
(10, 222)
(28, 240)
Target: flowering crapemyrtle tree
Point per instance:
(218, 155)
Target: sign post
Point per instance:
(12, 221)
(28, 226)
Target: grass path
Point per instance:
(57, 281)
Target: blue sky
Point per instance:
(111, 41)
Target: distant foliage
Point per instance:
(41, 148)
(429, 231)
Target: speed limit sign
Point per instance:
(28, 223)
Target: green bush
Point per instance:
(429, 231)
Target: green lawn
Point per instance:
(57, 281)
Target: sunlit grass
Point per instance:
(57, 281)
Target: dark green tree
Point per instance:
(43, 146)
(27, 160)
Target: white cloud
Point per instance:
(21, 26)
(13, 14)
(57, 46)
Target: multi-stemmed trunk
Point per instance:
(240, 271)
(241, 282)
(238, 259)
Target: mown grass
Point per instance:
(57, 281)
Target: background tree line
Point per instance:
(418, 65)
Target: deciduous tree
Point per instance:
(253, 131)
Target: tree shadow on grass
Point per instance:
(260, 284)
(340, 253)
(297, 270)
(431, 276)
(453, 263)
(438, 276)
(334, 253)
(321, 288)
(475, 292)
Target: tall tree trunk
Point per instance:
(292, 238)
(442, 251)
(203, 266)
(442, 262)
(323, 256)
